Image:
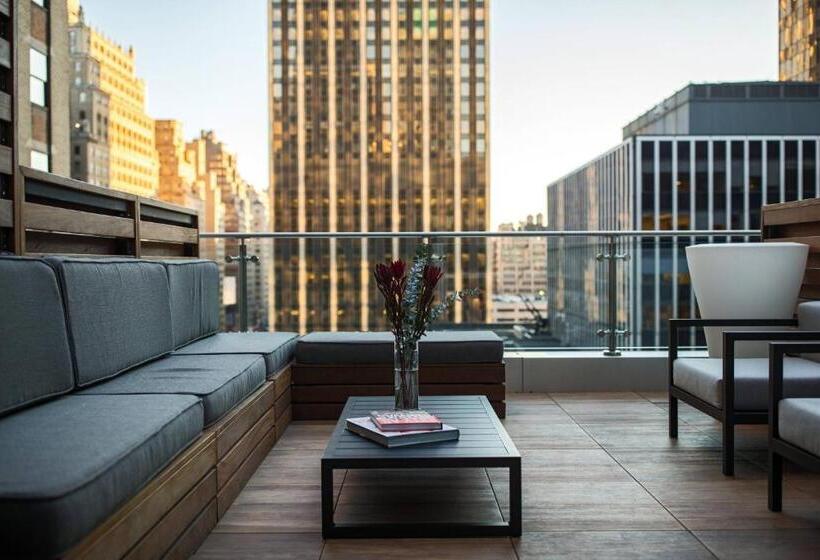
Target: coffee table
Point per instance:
(484, 443)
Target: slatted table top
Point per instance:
(483, 439)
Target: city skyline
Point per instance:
(573, 105)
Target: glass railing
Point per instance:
(540, 290)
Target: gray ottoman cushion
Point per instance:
(69, 464)
(437, 347)
(194, 288)
(35, 361)
(221, 382)
(703, 377)
(800, 423)
(119, 314)
(277, 348)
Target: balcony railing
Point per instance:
(541, 290)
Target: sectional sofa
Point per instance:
(127, 423)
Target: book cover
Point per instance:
(405, 420)
(367, 429)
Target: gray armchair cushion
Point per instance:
(436, 347)
(119, 314)
(194, 288)
(35, 360)
(277, 348)
(69, 464)
(800, 423)
(703, 377)
(808, 318)
(221, 382)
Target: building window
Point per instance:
(39, 160)
(38, 67)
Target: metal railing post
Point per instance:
(242, 278)
(611, 332)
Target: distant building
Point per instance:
(102, 68)
(379, 121)
(708, 157)
(520, 272)
(798, 40)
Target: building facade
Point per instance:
(520, 274)
(797, 35)
(378, 123)
(101, 65)
(689, 179)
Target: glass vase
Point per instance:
(406, 375)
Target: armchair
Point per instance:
(734, 390)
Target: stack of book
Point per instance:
(397, 428)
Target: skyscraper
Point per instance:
(798, 40)
(109, 112)
(378, 122)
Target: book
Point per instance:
(404, 420)
(367, 429)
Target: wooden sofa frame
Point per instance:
(174, 513)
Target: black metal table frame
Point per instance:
(510, 528)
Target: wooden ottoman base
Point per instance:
(319, 391)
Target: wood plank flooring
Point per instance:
(601, 480)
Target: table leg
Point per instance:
(515, 499)
(327, 500)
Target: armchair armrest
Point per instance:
(777, 351)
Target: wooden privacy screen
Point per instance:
(799, 222)
(56, 215)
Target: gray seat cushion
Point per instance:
(194, 288)
(221, 381)
(119, 314)
(277, 348)
(703, 377)
(800, 423)
(35, 360)
(69, 464)
(436, 347)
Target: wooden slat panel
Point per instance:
(55, 219)
(5, 106)
(331, 411)
(340, 393)
(5, 159)
(322, 374)
(6, 213)
(160, 539)
(195, 535)
(283, 421)
(230, 490)
(230, 429)
(163, 250)
(813, 241)
(282, 379)
(791, 212)
(153, 231)
(125, 528)
(44, 243)
(226, 468)
(283, 402)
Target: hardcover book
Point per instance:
(367, 429)
(404, 420)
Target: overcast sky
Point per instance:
(565, 75)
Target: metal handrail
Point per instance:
(474, 234)
(611, 256)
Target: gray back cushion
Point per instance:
(119, 314)
(194, 288)
(35, 361)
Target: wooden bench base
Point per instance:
(320, 391)
(176, 511)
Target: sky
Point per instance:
(565, 75)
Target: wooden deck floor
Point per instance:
(601, 480)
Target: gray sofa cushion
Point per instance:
(221, 381)
(800, 423)
(76, 459)
(277, 348)
(35, 361)
(703, 377)
(119, 314)
(436, 347)
(194, 288)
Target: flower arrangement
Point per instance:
(409, 296)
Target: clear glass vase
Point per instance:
(406, 375)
